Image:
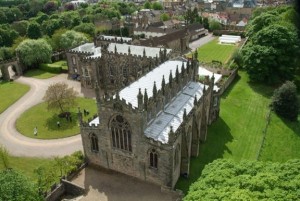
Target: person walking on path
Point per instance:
(35, 131)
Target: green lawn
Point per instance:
(39, 74)
(10, 92)
(26, 165)
(238, 133)
(46, 120)
(214, 51)
(282, 140)
(45, 74)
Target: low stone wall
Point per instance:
(56, 193)
(66, 187)
(177, 195)
(72, 189)
(229, 80)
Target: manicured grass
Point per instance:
(282, 140)
(10, 92)
(27, 165)
(61, 63)
(39, 74)
(44, 73)
(214, 51)
(46, 120)
(237, 134)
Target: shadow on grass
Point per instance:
(262, 89)
(231, 86)
(293, 125)
(34, 72)
(65, 124)
(218, 136)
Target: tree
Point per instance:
(72, 39)
(16, 187)
(147, 5)
(164, 17)
(59, 97)
(214, 25)
(34, 31)
(157, 6)
(4, 157)
(20, 27)
(205, 23)
(272, 54)
(285, 101)
(50, 7)
(33, 52)
(247, 180)
(88, 28)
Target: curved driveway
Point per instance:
(19, 145)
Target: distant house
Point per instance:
(177, 40)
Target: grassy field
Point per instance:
(282, 140)
(214, 51)
(238, 133)
(43, 74)
(26, 165)
(46, 121)
(39, 74)
(10, 92)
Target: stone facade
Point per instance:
(114, 69)
(118, 140)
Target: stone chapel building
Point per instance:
(114, 62)
(151, 128)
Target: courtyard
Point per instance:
(107, 185)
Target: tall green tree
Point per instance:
(33, 52)
(285, 101)
(247, 180)
(15, 187)
(72, 39)
(272, 54)
(4, 157)
(34, 30)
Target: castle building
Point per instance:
(151, 128)
(116, 63)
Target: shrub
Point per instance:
(50, 69)
(285, 101)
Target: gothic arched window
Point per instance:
(153, 158)
(94, 142)
(121, 133)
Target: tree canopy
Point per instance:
(33, 52)
(72, 39)
(15, 187)
(59, 97)
(247, 180)
(285, 101)
(271, 53)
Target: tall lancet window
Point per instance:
(121, 133)
(153, 158)
(94, 142)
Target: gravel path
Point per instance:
(19, 145)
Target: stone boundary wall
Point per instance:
(229, 80)
(177, 194)
(65, 186)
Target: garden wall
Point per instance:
(228, 81)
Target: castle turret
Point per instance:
(140, 100)
(154, 90)
(145, 99)
(163, 84)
